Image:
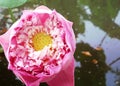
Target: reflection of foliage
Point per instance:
(114, 61)
(116, 71)
(103, 13)
(93, 67)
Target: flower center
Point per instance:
(40, 40)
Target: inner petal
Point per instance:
(40, 40)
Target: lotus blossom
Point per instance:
(39, 48)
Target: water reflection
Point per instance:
(97, 30)
(103, 15)
(96, 37)
(93, 66)
(117, 19)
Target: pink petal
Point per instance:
(42, 9)
(4, 39)
(70, 37)
(31, 80)
(65, 77)
(28, 79)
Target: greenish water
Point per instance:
(97, 30)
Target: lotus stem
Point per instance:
(12, 15)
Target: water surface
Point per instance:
(97, 30)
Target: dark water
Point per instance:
(97, 30)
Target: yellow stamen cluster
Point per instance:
(40, 40)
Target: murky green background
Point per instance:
(97, 30)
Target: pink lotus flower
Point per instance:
(39, 48)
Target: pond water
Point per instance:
(97, 30)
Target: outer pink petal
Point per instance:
(43, 9)
(40, 9)
(4, 39)
(27, 79)
(31, 80)
(65, 77)
(70, 37)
